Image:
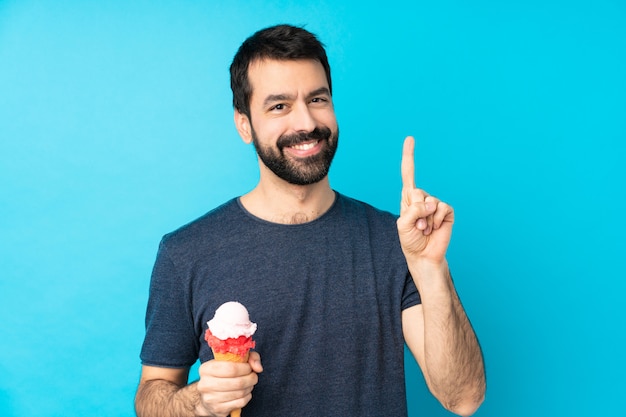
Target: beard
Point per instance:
(299, 171)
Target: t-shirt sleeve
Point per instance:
(410, 295)
(170, 339)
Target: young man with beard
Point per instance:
(336, 286)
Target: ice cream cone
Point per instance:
(230, 336)
(230, 357)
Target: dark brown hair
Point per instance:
(281, 42)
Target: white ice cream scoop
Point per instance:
(231, 320)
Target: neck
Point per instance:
(284, 203)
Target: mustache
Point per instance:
(319, 133)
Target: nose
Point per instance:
(301, 119)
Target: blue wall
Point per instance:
(116, 127)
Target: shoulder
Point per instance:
(203, 229)
(368, 221)
(357, 208)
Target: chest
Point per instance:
(304, 289)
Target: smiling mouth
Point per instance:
(305, 146)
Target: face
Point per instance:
(292, 120)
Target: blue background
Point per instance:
(116, 127)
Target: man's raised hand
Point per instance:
(425, 222)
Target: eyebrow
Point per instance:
(272, 98)
(319, 91)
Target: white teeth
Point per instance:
(305, 146)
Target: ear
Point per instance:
(242, 123)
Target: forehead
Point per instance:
(269, 76)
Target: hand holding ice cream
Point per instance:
(229, 335)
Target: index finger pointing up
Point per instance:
(407, 166)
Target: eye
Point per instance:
(319, 100)
(277, 107)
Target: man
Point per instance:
(335, 286)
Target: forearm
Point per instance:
(161, 398)
(452, 357)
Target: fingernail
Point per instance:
(429, 206)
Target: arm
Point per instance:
(442, 341)
(163, 392)
(437, 332)
(223, 387)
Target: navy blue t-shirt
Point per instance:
(327, 297)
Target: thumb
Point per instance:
(255, 362)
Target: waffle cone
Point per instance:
(231, 357)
